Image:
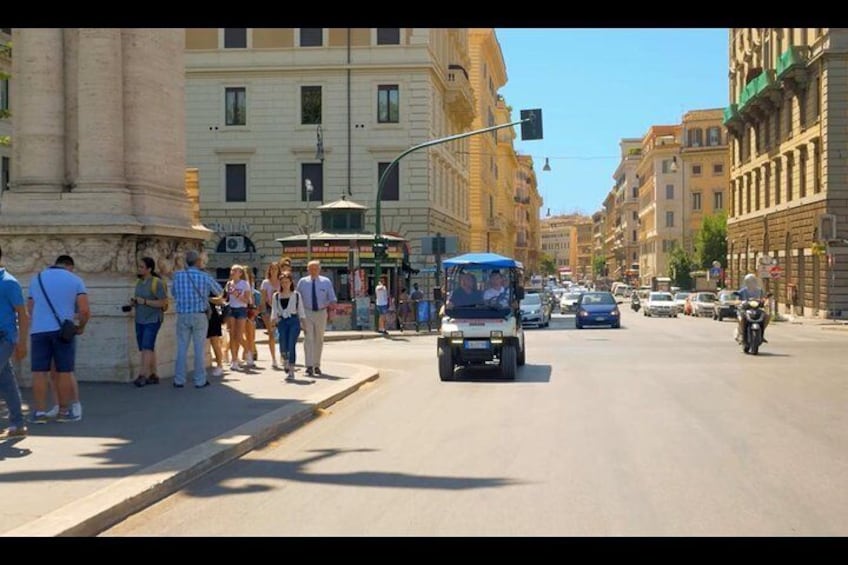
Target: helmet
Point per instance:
(751, 280)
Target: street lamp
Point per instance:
(547, 166)
(319, 156)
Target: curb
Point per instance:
(103, 509)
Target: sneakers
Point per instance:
(39, 417)
(274, 364)
(73, 414)
(249, 361)
(217, 372)
(234, 366)
(15, 431)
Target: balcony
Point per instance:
(459, 95)
(759, 97)
(792, 67)
(521, 199)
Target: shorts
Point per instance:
(48, 348)
(238, 313)
(215, 323)
(145, 335)
(383, 309)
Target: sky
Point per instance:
(596, 86)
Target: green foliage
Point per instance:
(599, 265)
(680, 264)
(711, 241)
(548, 265)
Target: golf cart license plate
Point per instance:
(476, 344)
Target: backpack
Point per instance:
(153, 288)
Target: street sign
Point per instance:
(532, 128)
(775, 271)
(439, 245)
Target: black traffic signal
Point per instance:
(380, 248)
(531, 125)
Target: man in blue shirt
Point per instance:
(55, 295)
(191, 289)
(317, 293)
(14, 327)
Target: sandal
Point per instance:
(140, 381)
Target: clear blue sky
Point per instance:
(596, 86)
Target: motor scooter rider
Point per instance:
(751, 290)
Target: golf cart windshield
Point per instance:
(481, 289)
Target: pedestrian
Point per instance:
(150, 302)
(253, 305)
(318, 293)
(14, 328)
(286, 311)
(416, 296)
(215, 332)
(270, 285)
(238, 296)
(403, 309)
(191, 288)
(381, 294)
(57, 298)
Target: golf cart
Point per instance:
(481, 323)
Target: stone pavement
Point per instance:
(136, 446)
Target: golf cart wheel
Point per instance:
(509, 361)
(445, 363)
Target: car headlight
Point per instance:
(583, 313)
(616, 312)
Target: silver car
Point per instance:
(660, 304)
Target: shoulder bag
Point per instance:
(208, 310)
(67, 328)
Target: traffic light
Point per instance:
(532, 128)
(380, 248)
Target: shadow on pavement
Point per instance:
(9, 451)
(529, 373)
(299, 471)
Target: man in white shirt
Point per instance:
(497, 294)
(317, 293)
(381, 293)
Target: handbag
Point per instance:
(67, 328)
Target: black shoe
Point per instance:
(317, 370)
(204, 385)
(177, 385)
(310, 372)
(140, 381)
(153, 379)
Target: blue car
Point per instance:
(597, 309)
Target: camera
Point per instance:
(126, 308)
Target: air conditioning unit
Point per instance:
(235, 244)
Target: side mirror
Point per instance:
(519, 293)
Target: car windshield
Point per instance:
(729, 296)
(660, 297)
(681, 295)
(597, 298)
(480, 287)
(572, 296)
(531, 300)
(706, 298)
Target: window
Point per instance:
(696, 137)
(802, 170)
(747, 194)
(236, 182)
(388, 107)
(696, 170)
(777, 125)
(696, 200)
(817, 97)
(388, 36)
(790, 166)
(777, 181)
(314, 173)
(767, 133)
(789, 112)
(311, 36)
(668, 245)
(391, 190)
(634, 237)
(666, 166)
(491, 206)
(635, 215)
(713, 136)
(235, 37)
(718, 169)
(669, 219)
(4, 95)
(669, 192)
(635, 192)
(635, 258)
(236, 106)
(767, 185)
(816, 168)
(5, 171)
(310, 105)
(490, 123)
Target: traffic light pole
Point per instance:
(378, 272)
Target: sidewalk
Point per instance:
(136, 446)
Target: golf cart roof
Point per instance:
(483, 259)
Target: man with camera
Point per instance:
(150, 302)
(58, 300)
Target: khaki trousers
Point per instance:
(313, 336)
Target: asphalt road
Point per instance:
(661, 428)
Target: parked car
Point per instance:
(704, 303)
(680, 300)
(535, 310)
(568, 302)
(660, 304)
(597, 309)
(728, 302)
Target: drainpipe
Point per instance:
(349, 117)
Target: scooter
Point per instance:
(753, 315)
(635, 304)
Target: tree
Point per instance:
(599, 266)
(680, 264)
(711, 241)
(548, 265)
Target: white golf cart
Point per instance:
(481, 323)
